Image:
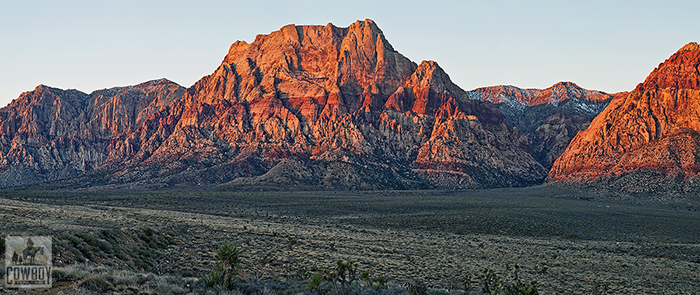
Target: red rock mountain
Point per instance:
(306, 105)
(653, 130)
(531, 97)
(49, 133)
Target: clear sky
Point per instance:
(89, 45)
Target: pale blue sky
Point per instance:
(89, 45)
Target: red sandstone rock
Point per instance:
(653, 129)
(321, 94)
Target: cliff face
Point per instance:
(49, 133)
(316, 100)
(653, 130)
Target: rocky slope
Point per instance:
(328, 106)
(50, 133)
(527, 109)
(651, 131)
(549, 117)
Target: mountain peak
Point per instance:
(153, 83)
(690, 46)
(427, 70)
(653, 129)
(565, 84)
(680, 71)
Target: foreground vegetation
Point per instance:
(415, 242)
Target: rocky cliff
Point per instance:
(50, 133)
(311, 105)
(651, 131)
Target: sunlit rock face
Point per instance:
(651, 131)
(318, 106)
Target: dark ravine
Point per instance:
(338, 107)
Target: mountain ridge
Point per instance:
(327, 95)
(549, 117)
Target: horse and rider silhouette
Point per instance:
(28, 256)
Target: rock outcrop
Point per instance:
(651, 131)
(338, 106)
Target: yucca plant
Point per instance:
(228, 256)
(227, 262)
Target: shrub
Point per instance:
(416, 288)
(211, 279)
(62, 275)
(315, 283)
(493, 284)
(346, 272)
(96, 284)
(228, 256)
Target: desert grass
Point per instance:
(288, 237)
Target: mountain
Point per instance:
(318, 106)
(652, 132)
(549, 117)
(49, 133)
(527, 109)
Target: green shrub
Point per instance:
(228, 256)
(211, 279)
(315, 283)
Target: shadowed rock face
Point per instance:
(550, 117)
(654, 129)
(50, 133)
(527, 109)
(551, 138)
(315, 95)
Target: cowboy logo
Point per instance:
(28, 262)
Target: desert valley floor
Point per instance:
(589, 242)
